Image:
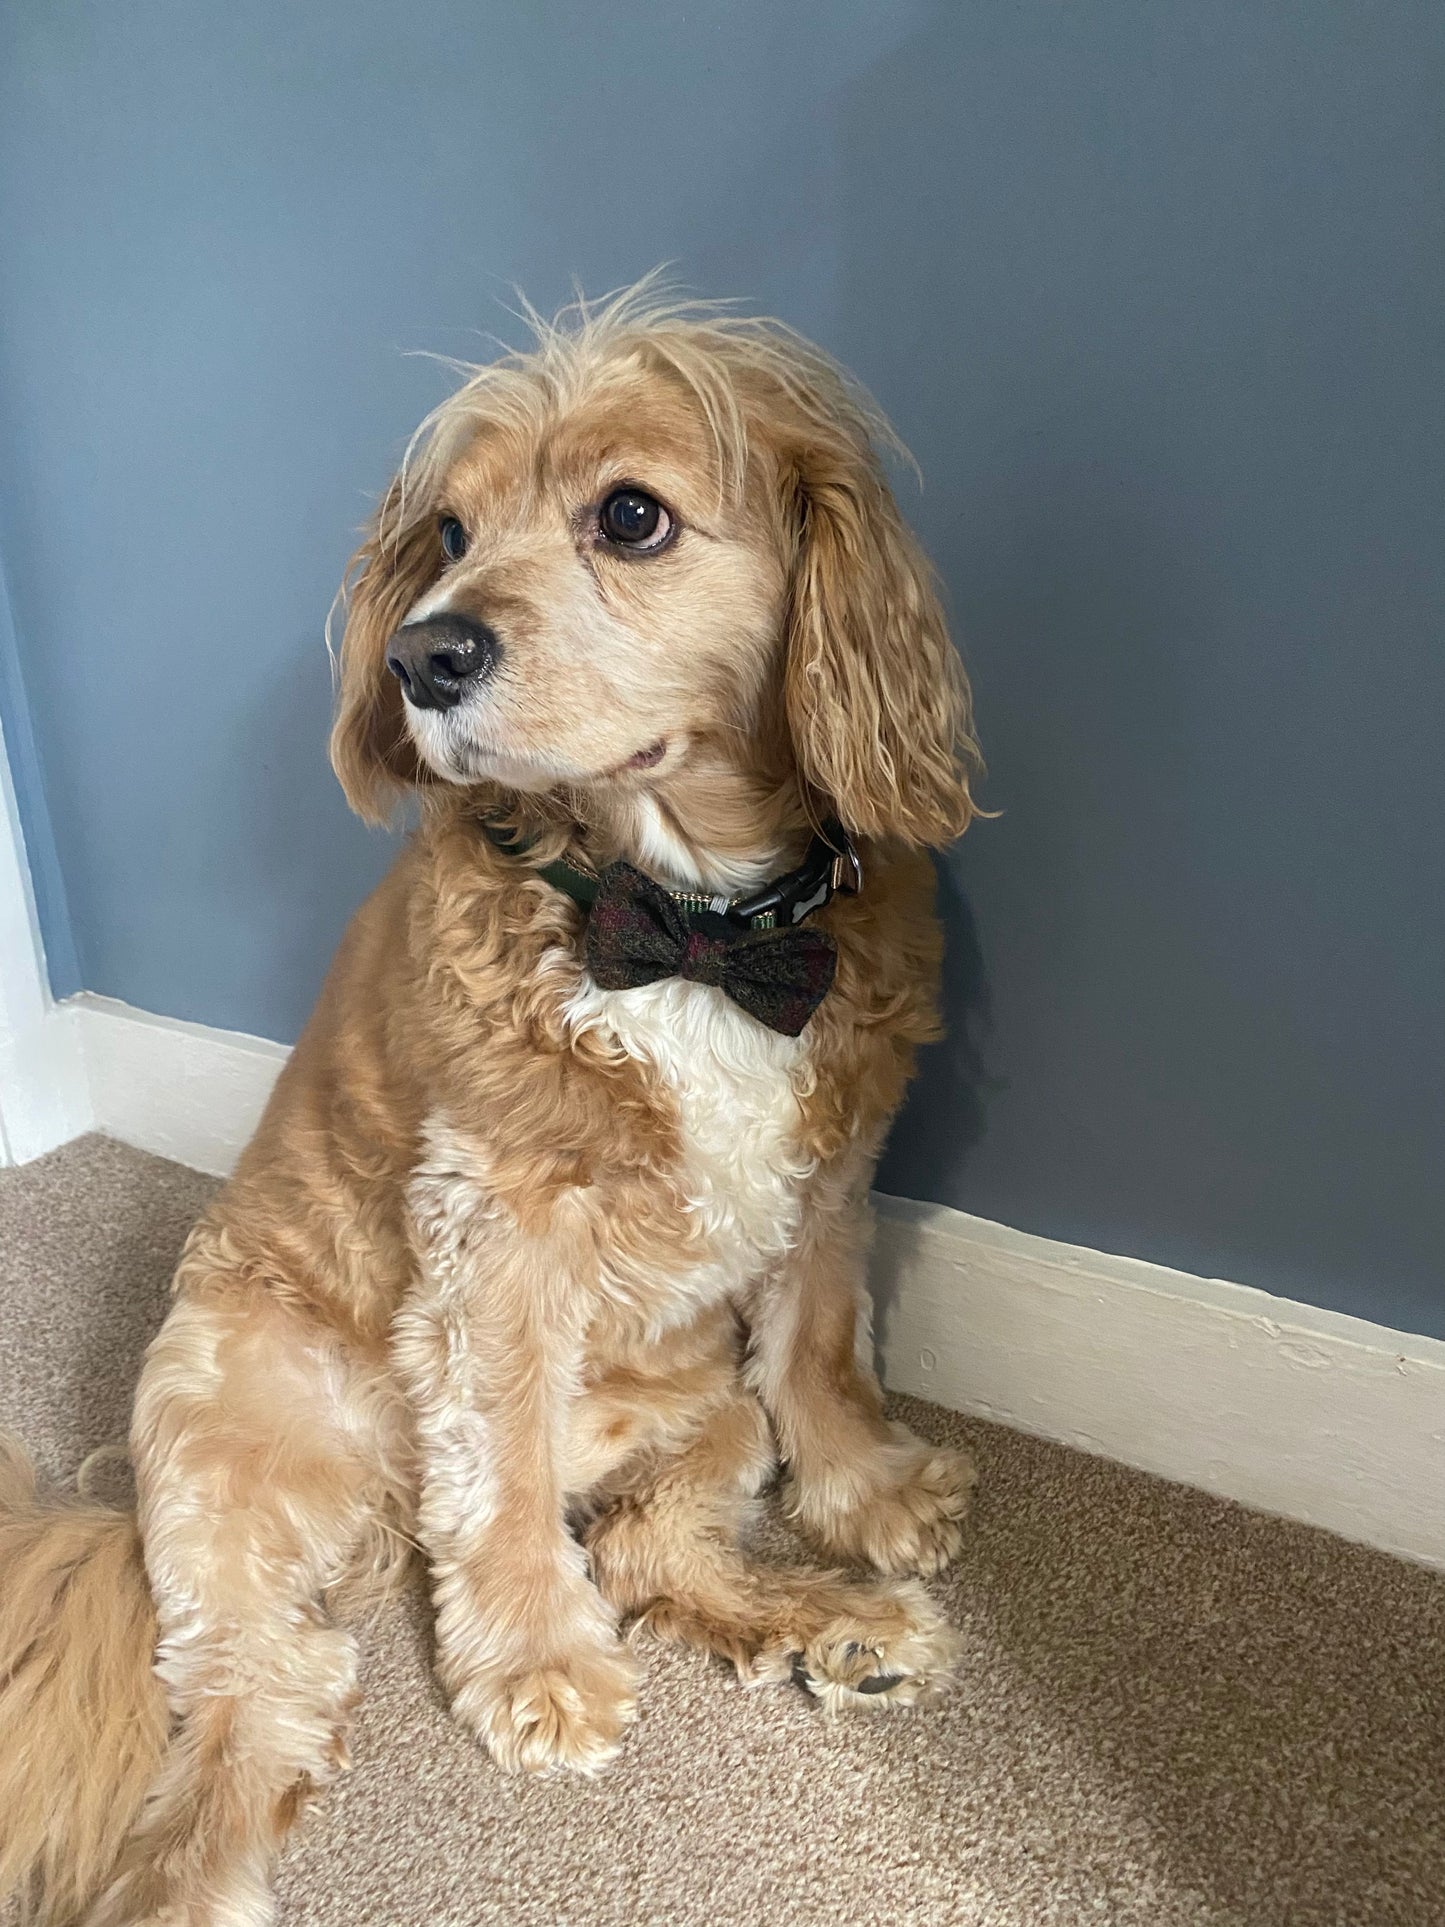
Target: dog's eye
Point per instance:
(634, 519)
(454, 538)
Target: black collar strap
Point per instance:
(830, 866)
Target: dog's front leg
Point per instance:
(860, 1487)
(490, 1348)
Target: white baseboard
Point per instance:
(1263, 1400)
(1276, 1404)
(183, 1091)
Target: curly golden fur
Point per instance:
(545, 1279)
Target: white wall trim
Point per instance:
(1276, 1404)
(184, 1091)
(43, 1099)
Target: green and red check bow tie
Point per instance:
(750, 948)
(637, 934)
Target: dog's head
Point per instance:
(660, 541)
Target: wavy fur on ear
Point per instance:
(370, 750)
(876, 697)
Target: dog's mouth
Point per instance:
(460, 757)
(666, 752)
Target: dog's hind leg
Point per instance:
(255, 1485)
(665, 1552)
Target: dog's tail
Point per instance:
(82, 1716)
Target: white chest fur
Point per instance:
(736, 1087)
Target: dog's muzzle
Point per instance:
(435, 661)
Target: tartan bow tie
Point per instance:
(638, 934)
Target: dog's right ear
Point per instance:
(371, 750)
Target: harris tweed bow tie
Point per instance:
(638, 934)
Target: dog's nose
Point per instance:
(436, 659)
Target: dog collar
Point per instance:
(830, 867)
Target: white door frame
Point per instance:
(44, 1100)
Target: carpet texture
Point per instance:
(1171, 1712)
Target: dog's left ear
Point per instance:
(877, 701)
(371, 751)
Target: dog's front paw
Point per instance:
(567, 1713)
(891, 1649)
(901, 1512)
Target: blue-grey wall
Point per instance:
(1155, 292)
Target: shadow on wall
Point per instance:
(1026, 368)
(290, 848)
(883, 241)
(953, 1081)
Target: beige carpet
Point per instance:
(1171, 1710)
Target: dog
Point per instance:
(549, 1251)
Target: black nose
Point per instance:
(436, 659)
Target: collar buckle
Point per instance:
(847, 867)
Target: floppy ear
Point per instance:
(877, 701)
(371, 751)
